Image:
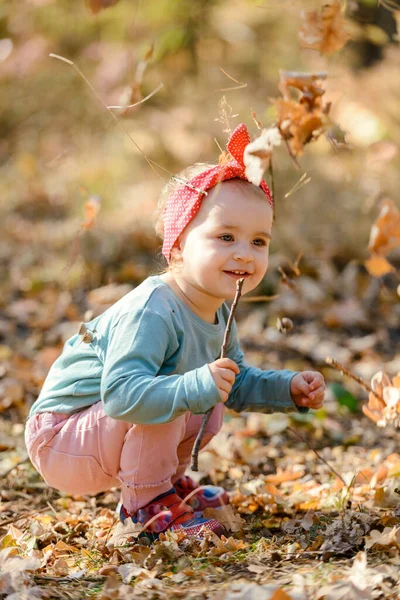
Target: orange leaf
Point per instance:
(61, 548)
(280, 595)
(385, 232)
(363, 476)
(378, 266)
(373, 415)
(396, 380)
(283, 476)
(91, 210)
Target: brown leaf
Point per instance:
(324, 31)
(63, 548)
(96, 6)
(223, 544)
(60, 567)
(225, 515)
(123, 532)
(302, 121)
(388, 537)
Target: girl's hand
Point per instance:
(224, 371)
(308, 389)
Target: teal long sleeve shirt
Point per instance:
(148, 364)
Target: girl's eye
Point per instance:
(260, 242)
(227, 237)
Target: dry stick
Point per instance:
(150, 162)
(317, 454)
(21, 462)
(333, 363)
(207, 415)
(28, 515)
(271, 174)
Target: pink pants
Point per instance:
(88, 452)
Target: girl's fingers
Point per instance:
(225, 385)
(318, 394)
(316, 380)
(228, 375)
(314, 404)
(228, 363)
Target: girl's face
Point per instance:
(228, 239)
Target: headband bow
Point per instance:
(184, 203)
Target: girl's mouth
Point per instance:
(237, 274)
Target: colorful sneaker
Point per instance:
(207, 496)
(173, 514)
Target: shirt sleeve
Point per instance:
(131, 388)
(256, 390)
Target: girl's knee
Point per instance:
(73, 474)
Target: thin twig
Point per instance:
(318, 455)
(23, 516)
(333, 363)
(150, 162)
(207, 415)
(68, 578)
(292, 156)
(157, 89)
(260, 298)
(236, 87)
(299, 184)
(21, 462)
(271, 174)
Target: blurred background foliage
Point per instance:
(60, 146)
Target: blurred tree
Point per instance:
(377, 29)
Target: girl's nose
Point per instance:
(243, 254)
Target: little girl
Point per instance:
(123, 406)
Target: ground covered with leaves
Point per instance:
(307, 526)
(314, 498)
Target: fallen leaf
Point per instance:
(387, 537)
(60, 567)
(223, 544)
(225, 515)
(128, 571)
(308, 521)
(61, 548)
(283, 476)
(123, 532)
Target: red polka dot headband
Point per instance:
(184, 203)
